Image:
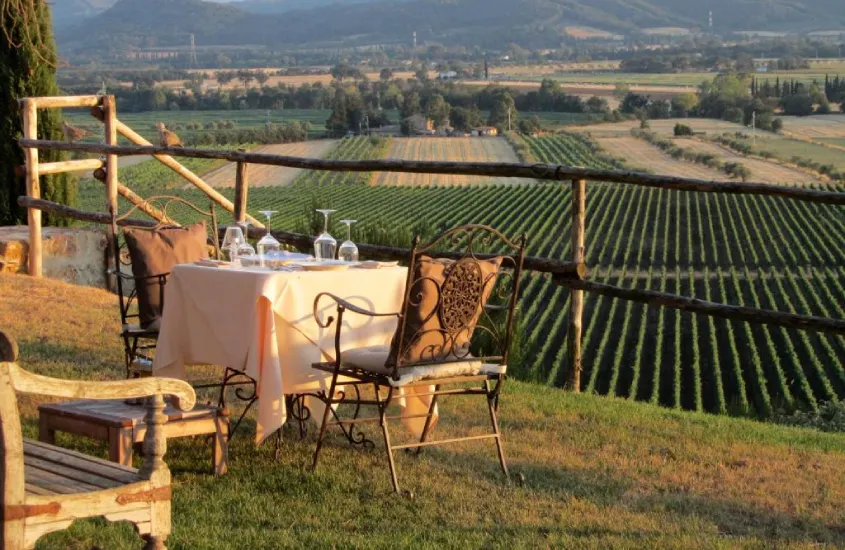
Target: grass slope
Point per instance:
(599, 472)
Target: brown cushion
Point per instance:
(155, 253)
(446, 301)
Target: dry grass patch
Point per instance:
(270, 176)
(446, 149)
(641, 155)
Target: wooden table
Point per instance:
(122, 425)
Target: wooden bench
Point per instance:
(122, 425)
(46, 488)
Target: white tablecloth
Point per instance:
(262, 323)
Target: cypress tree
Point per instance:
(28, 62)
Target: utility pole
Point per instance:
(509, 119)
(754, 127)
(193, 59)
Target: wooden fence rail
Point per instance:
(493, 169)
(570, 274)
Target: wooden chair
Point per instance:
(454, 328)
(139, 342)
(46, 488)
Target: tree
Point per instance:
(503, 113)
(797, 105)
(385, 74)
(337, 122)
(530, 125)
(261, 77)
(411, 105)
(683, 105)
(28, 69)
(224, 77)
(438, 111)
(464, 119)
(245, 76)
(682, 130)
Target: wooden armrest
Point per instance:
(122, 389)
(343, 304)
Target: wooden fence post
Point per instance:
(110, 121)
(29, 112)
(576, 297)
(241, 190)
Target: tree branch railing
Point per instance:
(571, 274)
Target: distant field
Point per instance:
(641, 155)
(268, 176)
(692, 79)
(785, 149)
(761, 170)
(446, 149)
(144, 123)
(665, 126)
(815, 127)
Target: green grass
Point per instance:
(785, 149)
(144, 123)
(599, 472)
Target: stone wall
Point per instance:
(74, 255)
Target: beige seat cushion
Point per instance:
(373, 358)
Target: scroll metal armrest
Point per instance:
(122, 389)
(343, 305)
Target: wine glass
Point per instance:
(348, 251)
(325, 245)
(268, 247)
(233, 238)
(244, 248)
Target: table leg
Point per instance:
(45, 433)
(120, 445)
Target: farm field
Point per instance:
(785, 149)
(687, 80)
(665, 126)
(261, 176)
(470, 149)
(144, 123)
(755, 251)
(761, 170)
(641, 155)
(585, 89)
(816, 127)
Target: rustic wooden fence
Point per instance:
(571, 274)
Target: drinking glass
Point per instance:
(268, 247)
(244, 248)
(348, 252)
(233, 238)
(325, 245)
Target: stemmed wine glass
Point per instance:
(233, 238)
(325, 245)
(348, 251)
(268, 247)
(244, 248)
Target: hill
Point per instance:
(599, 472)
(485, 23)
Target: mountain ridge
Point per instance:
(483, 23)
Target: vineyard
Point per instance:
(755, 251)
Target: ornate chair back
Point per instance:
(460, 299)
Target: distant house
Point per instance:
(448, 75)
(485, 131)
(419, 124)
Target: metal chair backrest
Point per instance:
(158, 212)
(464, 248)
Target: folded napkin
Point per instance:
(372, 264)
(213, 263)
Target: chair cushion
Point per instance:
(446, 302)
(155, 253)
(374, 358)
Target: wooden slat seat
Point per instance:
(53, 470)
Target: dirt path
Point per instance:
(641, 155)
(260, 175)
(761, 170)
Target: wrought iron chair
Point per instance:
(454, 328)
(139, 342)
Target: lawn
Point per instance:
(599, 472)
